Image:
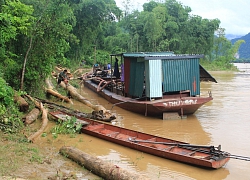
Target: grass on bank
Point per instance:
(15, 152)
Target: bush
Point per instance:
(10, 120)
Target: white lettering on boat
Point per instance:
(180, 102)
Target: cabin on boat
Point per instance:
(153, 75)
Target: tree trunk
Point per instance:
(44, 124)
(32, 116)
(104, 169)
(58, 95)
(50, 91)
(77, 96)
(99, 113)
(23, 105)
(24, 63)
(44, 119)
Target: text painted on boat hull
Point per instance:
(180, 102)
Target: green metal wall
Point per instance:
(136, 78)
(181, 75)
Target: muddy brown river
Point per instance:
(224, 121)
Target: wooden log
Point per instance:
(23, 105)
(49, 90)
(98, 116)
(49, 84)
(104, 169)
(77, 96)
(37, 104)
(59, 68)
(99, 110)
(58, 95)
(32, 116)
(44, 124)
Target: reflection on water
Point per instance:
(225, 121)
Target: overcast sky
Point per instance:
(233, 14)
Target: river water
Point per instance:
(224, 121)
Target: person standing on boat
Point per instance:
(122, 72)
(116, 70)
(108, 66)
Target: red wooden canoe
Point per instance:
(198, 155)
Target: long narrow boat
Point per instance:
(153, 84)
(180, 103)
(197, 155)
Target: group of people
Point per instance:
(96, 68)
(106, 70)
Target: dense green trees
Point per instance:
(15, 19)
(38, 34)
(223, 51)
(10, 119)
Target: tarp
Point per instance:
(205, 76)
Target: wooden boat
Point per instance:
(181, 104)
(153, 84)
(197, 155)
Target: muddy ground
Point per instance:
(41, 159)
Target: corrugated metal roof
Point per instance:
(205, 76)
(162, 55)
(175, 57)
(148, 54)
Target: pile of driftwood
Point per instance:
(97, 166)
(99, 112)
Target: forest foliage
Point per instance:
(36, 35)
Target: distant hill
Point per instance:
(232, 36)
(244, 50)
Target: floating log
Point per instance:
(32, 116)
(104, 169)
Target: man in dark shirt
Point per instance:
(62, 77)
